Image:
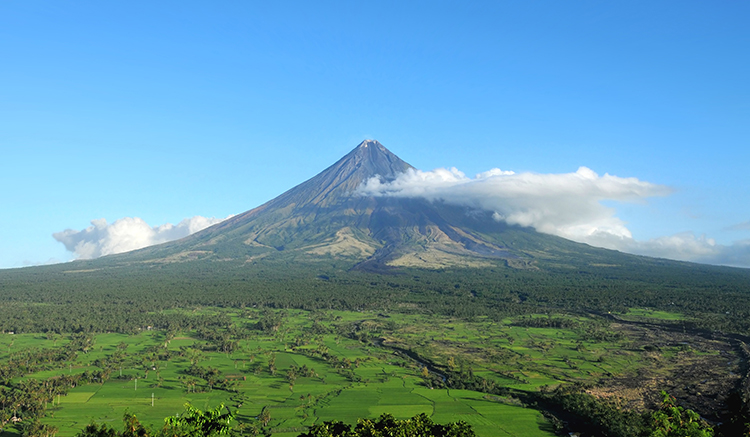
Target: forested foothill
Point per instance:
(562, 347)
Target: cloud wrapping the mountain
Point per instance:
(126, 234)
(568, 205)
(687, 246)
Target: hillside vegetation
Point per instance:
(317, 342)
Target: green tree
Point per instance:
(134, 428)
(386, 426)
(674, 421)
(265, 415)
(190, 423)
(197, 423)
(38, 429)
(94, 430)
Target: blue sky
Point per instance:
(163, 111)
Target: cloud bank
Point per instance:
(687, 246)
(568, 205)
(126, 234)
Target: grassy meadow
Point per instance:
(305, 367)
(342, 378)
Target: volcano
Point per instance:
(383, 273)
(326, 217)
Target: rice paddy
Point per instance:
(336, 365)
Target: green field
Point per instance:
(306, 367)
(302, 376)
(647, 313)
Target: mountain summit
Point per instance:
(339, 181)
(325, 219)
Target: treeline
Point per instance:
(123, 299)
(95, 317)
(35, 359)
(570, 407)
(23, 404)
(573, 408)
(386, 426)
(218, 422)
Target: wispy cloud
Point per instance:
(744, 226)
(568, 205)
(687, 246)
(30, 263)
(126, 234)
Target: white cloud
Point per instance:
(568, 205)
(126, 234)
(686, 246)
(29, 263)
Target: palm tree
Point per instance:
(265, 415)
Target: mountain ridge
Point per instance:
(324, 220)
(368, 159)
(325, 216)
